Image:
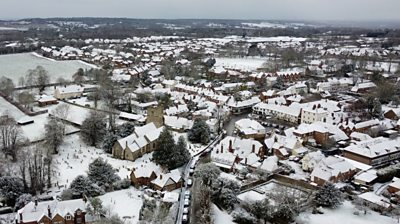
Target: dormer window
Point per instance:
(68, 217)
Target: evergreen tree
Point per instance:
(82, 185)
(109, 141)
(328, 196)
(200, 132)
(224, 193)
(11, 188)
(93, 128)
(125, 129)
(23, 200)
(377, 109)
(102, 173)
(182, 154)
(165, 152)
(207, 173)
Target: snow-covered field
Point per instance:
(125, 203)
(247, 64)
(344, 214)
(15, 66)
(7, 108)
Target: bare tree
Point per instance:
(11, 136)
(54, 134)
(62, 112)
(6, 86)
(26, 99)
(39, 77)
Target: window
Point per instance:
(68, 217)
(78, 220)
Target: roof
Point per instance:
(165, 179)
(140, 137)
(32, 213)
(331, 167)
(248, 126)
(375, 199)
(374, 147)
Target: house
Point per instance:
(379, 202)
(68, 92)
(52, 212)
(232, 150)
(144, 173)
(391, 113)
(248, 128)
(137, 118)
(363, 87)
(240, 107)
(310, 160)
(179, 124)
(374, 152)
(332, 169)
(45, 100)
(366, 178)
(181, 109)
(281, 112)
(143, 140)
(319, 131)
(168, 181)
(283, 146)
(270, 164)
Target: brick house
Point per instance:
(53, 212)
(332, 169)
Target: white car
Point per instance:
(189, 182)
(184, 219)
(187, 194)
(187, 202)
(185, 210)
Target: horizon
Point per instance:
(284, 10)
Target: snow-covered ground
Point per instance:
(220, 217)
(246, 64)
(15, 66)
(193, 148)
(126, 203)
(344, 214)
(9, 109)
(74, 158)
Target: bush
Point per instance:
(243, 218)
(122, 184)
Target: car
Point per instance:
(187, 194)
(185, 211)
(186, 202)
(189, 182)
(191, 171)
(185, 219)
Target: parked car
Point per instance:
(189, 182)
(186, 202)
(185, 219)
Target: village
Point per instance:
(183, 129)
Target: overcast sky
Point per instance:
(354, 10)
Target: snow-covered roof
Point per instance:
(374, 147)
(331, 167)
(140, 137)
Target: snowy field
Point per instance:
(125, 203)
(247, 64)
(15, 66)
(7, 108)
(344, 214)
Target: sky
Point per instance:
(314, 10)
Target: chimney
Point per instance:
(160, 177)
(230, 146)
(49, 211)
(36, 202)
(20, 217)
(222, 148)
(126, 144)
(245, 161)
(253, 149)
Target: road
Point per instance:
(186, 177)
